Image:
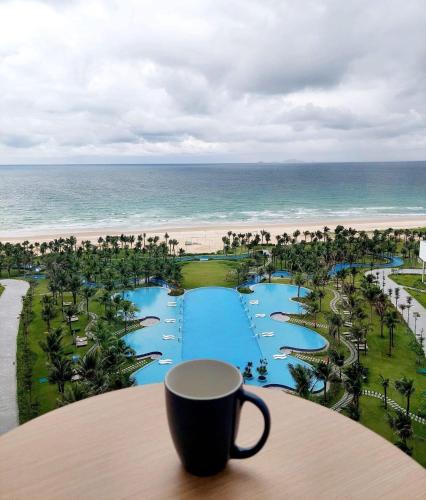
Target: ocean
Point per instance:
(42, 198)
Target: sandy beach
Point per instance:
(209, 238)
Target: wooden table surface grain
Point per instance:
(117, 446)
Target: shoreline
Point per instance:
(197, 239)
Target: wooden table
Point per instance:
(118, 446)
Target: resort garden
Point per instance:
(74, 318)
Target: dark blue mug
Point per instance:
(203, 400)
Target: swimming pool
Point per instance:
(221, 323)
(282, 274)
(393, 261)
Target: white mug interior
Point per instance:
(203, 379)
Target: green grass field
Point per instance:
(1, 289)
(401, 363)
(44, 395)
(413, 281)
(209, 273)
(419, 296)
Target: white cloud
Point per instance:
(234, 80)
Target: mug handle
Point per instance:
(236, 451)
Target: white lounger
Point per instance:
(165, 361)
(279, 356)
(253, 302)
(170, 320)
(260, 315)
(169, 337)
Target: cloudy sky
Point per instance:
(220, 80)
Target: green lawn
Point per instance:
(419, 296)
(1, 290)
(411, 280)
(209, 273)
(402, 362)
(415, 281)
(44, 395)
(373, 416)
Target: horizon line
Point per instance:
(284, 162)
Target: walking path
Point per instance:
(393, 404)
(10, 309)
(304, 322)
(384, 277)
(346, 398)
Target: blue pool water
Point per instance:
(393, 261)
(220, 323)
(217, 326)
(281, 274)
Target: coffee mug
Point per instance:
(204, 399)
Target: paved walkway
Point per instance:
(346, 399)
(403, 294)
(10, 309)
(394, 405)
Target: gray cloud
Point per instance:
(93, 80)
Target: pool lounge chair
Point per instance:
(279, 356)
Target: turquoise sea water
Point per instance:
(40, 198)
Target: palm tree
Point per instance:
(87, 292)
(304, 378)
(371, 293)
(320, 295)
(314, 309)
(69, 314)
(402, 307)
(416, 316)
(406, 388)
(408, 307)
(299, 280)
(401, 424)
(358, 331)
(338, 359)
(270, 268)
(391, 319)
(74, 286)
(60, 371)
(381, 307)
(48, 309)
(128, 311)
(323, 372)
(397, 290)
(356, 374)
(385, 384)
(52, 346)
(75, 392)
(335, 322)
